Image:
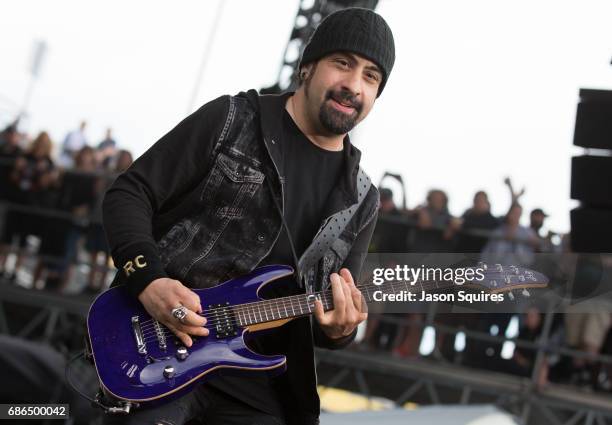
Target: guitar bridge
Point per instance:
(225, 321)
(140, 343)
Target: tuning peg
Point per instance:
(525, 293)
(499, 267)
(511, 296)
(482, 266)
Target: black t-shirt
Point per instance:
(310, 174)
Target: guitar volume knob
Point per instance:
(182, 353)
(169, 372)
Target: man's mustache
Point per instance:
(345, 97)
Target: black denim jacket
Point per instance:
(194, 207)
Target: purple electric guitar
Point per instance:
(139, 361)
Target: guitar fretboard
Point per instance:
(304, 304)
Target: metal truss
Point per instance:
(41, 315)
(422, 381)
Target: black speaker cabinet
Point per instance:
(591, 229)
(592, 180)
(594, 119)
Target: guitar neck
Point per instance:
(303, 304)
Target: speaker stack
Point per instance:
(591, 184)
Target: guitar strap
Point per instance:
(328, 232)
(293, 253)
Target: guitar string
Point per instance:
(167, 333)
(216, 318)
(327, 297)
(255, 307)
(152, 332)
(244, 308)
(247, 308)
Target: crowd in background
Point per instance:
(430, 228)
(55, 195)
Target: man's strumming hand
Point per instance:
(164, 294)
(349, 307)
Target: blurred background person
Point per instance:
(536, 220)
(476, 224)
(536, 223)
(123, 161)
(32, 174)
(436, 226)
(9, 143)
(73, 143)
(10, 149)
(511, 243)
(390, 236)
(106, 150)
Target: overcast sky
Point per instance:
(480, 89)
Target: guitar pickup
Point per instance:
(140, 344)
(225, 320)
(161, 336)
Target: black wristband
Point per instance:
(139, 265)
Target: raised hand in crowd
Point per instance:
(514, 195)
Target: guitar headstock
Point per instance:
(499, 278)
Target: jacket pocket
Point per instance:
(230, 185)
(237, 171)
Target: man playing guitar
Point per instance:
(250, 180)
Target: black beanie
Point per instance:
(357, 30)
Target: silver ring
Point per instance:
(180, 313)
